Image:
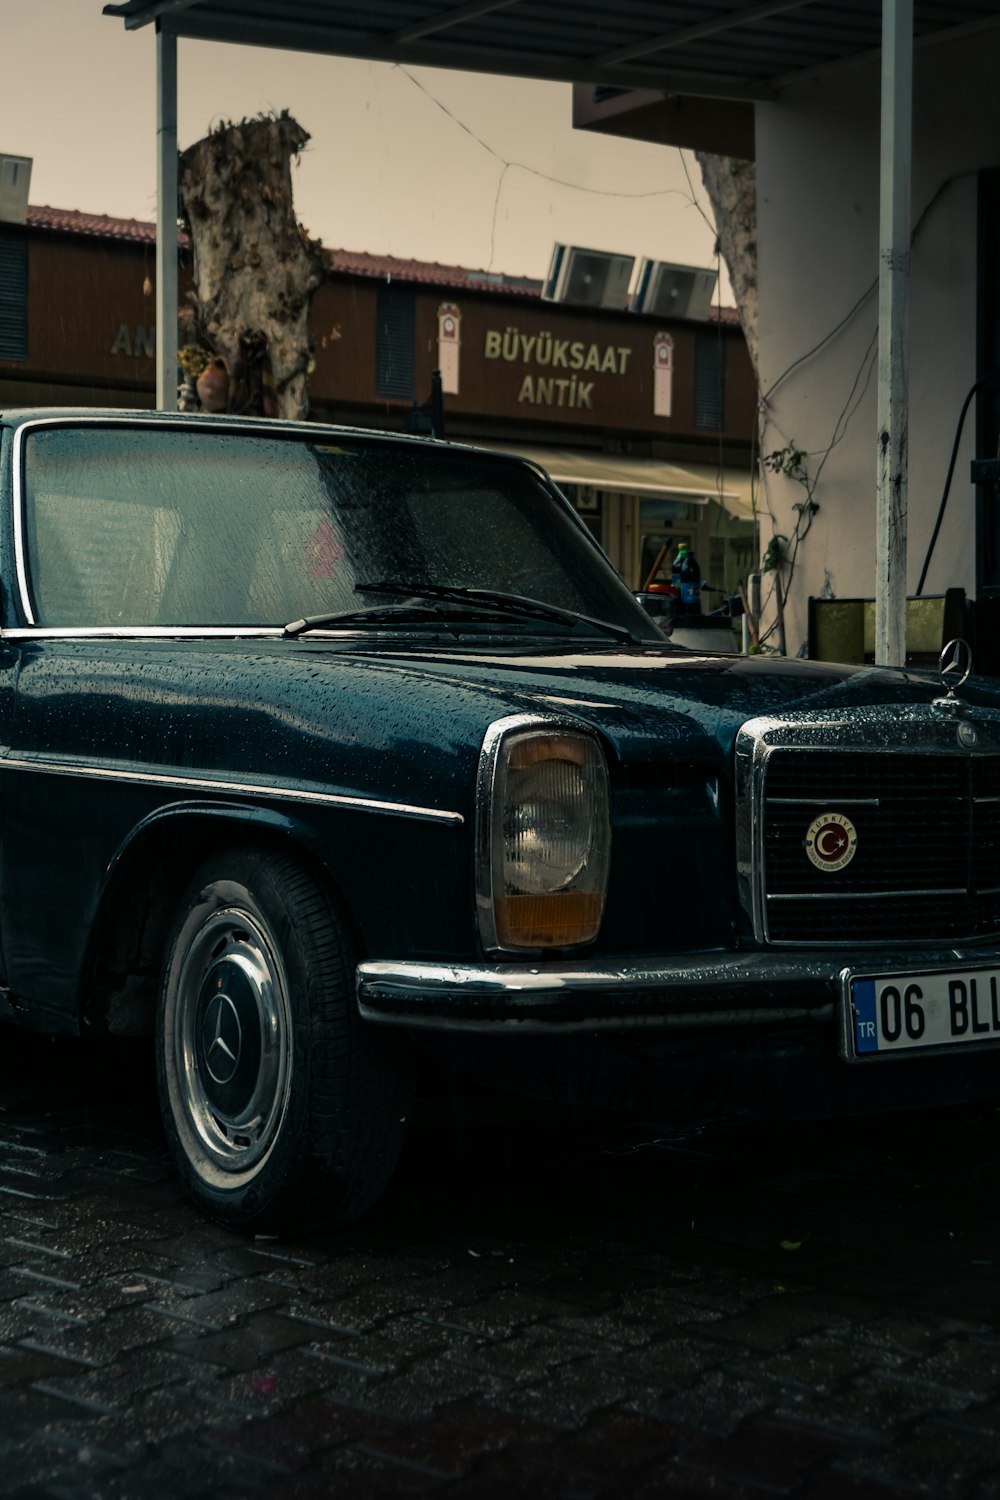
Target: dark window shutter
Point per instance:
(13, 292)
(709, 381)
(394, 338)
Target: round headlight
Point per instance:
(545, 839)
(547, 842)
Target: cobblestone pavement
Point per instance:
(807, 1312)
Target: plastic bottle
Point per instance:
(675, 572)
(686, 575)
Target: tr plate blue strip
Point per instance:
(865, 1023)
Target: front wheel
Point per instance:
(280, 1105)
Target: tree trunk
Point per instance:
(731, 185)
(255, 269)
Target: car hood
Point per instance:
(642, 701)
(407, 720)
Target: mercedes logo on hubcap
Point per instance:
(223, 1037)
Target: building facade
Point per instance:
(646, 423)
(817, 154)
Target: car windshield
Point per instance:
(133, 526)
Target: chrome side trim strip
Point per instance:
(141, 632)
(257, 789)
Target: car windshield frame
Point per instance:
(107, 511)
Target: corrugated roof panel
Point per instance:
(735, 49)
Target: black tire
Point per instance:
(281, 1107)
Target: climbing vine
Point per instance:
(780, 554)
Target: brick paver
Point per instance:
(810, 1312)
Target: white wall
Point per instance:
(818, 172)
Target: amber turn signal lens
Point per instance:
(562, 920)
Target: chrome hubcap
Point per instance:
(232, 1040)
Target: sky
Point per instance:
(419, 163)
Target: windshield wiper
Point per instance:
(372, 614)
(502, 603)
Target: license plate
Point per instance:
(904, 1012)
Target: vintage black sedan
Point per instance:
(330, 757)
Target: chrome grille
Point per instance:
(927, 863)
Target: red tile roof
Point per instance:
(391, 267)
(346, 262)
(99, 226)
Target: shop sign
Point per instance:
(663, 374)
(449, 344)
(136, 341)
(537, 357)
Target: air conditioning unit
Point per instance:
(672, 291)
(15, 176)
(588, 278)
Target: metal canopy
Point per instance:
(723, 49)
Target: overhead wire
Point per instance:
(578, 187)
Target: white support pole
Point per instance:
(166, 219)
(893, 332)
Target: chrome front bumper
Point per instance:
(685, 991)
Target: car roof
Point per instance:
(15, 417)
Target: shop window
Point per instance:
(709, 381)
(663, 525)
(394, 341)
(13, 292)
